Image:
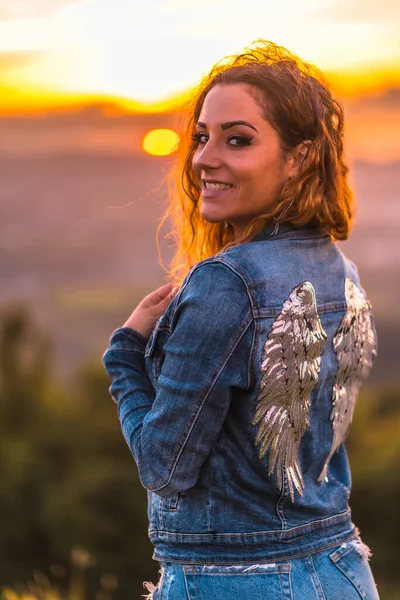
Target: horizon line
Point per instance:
(37, 101)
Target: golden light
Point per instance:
(160, 142)
(65, 51)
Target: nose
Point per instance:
(207, 157)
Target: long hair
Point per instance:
(297, 102)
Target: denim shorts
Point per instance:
(342, 573)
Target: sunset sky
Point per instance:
(152, 50)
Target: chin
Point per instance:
(212, 218)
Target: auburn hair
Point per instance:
(297, 102)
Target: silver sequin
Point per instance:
(290, 366)
(355, 346)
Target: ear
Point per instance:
(296, 157)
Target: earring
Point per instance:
(279, 217)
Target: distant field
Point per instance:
(77, 245)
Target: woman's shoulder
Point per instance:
(212, 276)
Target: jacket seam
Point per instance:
(322, 309)
(251, 375)
(287, 235)
(124, 349)
(218, 259)
(284, 557)
(281, 534)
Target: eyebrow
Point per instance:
(229, 125)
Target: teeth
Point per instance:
(217, 186)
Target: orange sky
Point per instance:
(54, 52)
(130, 57)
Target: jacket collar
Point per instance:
(287, 230)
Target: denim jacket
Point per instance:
(237, 407)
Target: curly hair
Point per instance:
(297, 102)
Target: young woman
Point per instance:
(236, 387)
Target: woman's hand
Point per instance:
(152, 306)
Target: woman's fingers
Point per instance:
(161, 295)
(151, 308)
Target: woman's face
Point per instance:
(239, 162)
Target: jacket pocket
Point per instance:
(351, 560)
(257, 582)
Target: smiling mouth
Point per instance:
(216, 186)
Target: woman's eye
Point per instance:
(239, 140)
(234, 140)
(200, 138)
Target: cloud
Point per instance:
(18, 9)
(360, 11)
(12, 61)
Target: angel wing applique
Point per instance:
(290, 366)
(355, 347)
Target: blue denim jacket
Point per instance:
(236, 408)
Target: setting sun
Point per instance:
(160, 142)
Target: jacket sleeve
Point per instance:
(170, 430)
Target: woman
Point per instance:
(236, 389)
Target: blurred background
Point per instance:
(85, 87)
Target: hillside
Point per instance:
(77, 244)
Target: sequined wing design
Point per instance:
(355, 347)
(290, 367)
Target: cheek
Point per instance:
(262, 185)
(258, 179)
(249, 174)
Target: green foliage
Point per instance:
(374, 452)
(68, 479)
(72, 510)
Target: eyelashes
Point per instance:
(234, 140)
(197, 137)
